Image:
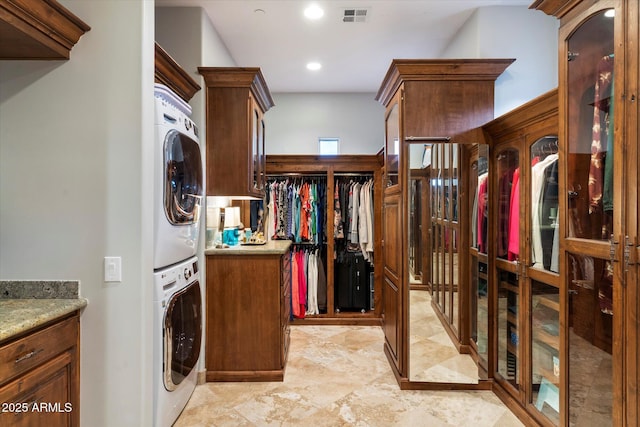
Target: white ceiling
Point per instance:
(354, 56)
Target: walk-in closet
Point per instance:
(335, 260)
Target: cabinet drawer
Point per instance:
(41, 397)
(24, 354)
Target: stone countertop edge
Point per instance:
(28, 304)
(20, 315)
(272, 247)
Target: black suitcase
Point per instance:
(352, 283)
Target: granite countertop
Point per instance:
(272, 247)
(25, 305)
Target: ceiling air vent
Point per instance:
(355, 15)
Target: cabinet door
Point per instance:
(593, 232)
(43, 395)
(393, 144)
(479, 276)
(256, 146)
(544, 357)
(392, 292)
(506, 206)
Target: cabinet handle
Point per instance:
(627, 253)
(612, 249)
(28, 355)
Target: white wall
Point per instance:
(75, 152)
(198, 45)
(512, 32)
(297, 120)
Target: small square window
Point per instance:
(328, 146)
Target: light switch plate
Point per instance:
(112, 269)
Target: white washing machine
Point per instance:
(177, 336)
(178, 180)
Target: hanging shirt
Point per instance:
(600, 126)
(514, 218)
(537, 183)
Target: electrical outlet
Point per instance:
(112, 269)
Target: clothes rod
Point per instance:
(428, 138)
(352, 174)
(297, 175)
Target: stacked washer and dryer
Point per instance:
(178, 193)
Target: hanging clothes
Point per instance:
(514, 218)
(483, 212)
(353, 220)
(599, 132)
(293, 208)
(538, 180)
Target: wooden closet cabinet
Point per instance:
(427, 102)
(236, 99)
(331, 169)
(598, 205)
(524, 269)
(248, 310)
(42, 368)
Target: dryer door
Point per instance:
(182, 334)
(183, 186)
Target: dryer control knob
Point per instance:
(187, 273)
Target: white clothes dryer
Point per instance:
(177, 334)
(178, 180)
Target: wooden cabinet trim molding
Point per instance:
(169, 73)
(437, 70)
(311, 163)
(536, 110)
(557, 8)
(249, 77)
(42, 29)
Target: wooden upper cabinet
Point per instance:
(171, 74)
(38, 29)
(442, 97)
(237, 99)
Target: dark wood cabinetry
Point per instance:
(38, 29)
(42, 368)
(427, 102)
(247, 312)
(237, 99)
(524, 262)
(171, 74)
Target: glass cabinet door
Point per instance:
(479, 263)
(255, 148)
(507, 247)
(591, 213)
(392, 143)
(543, 286)
(544, 228)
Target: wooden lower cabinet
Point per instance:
(247, 315)
(39, 377)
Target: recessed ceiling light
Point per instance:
(314, 12)
(314, 66)
(610, 13)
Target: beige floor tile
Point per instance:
(339, 376)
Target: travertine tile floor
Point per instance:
(432, 355)
(339, 376)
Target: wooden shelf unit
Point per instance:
(332, 166)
